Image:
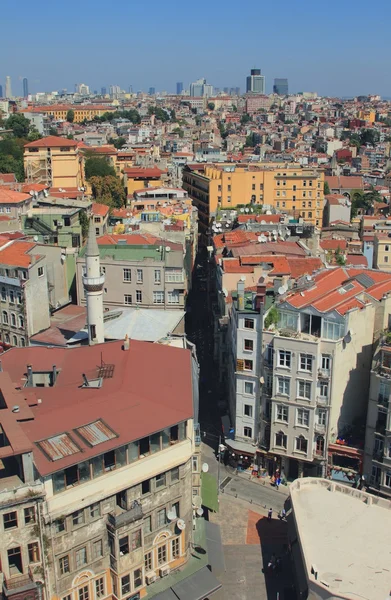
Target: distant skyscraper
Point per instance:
(280, 87)
(151, 91)
(1, 91)
(255, 82)
(226, 90)
(130, 89)
(25, 88)
(201, 88)
(114, 91)
(179, 88)
(8, 90)
(82, 89)
(103, 91)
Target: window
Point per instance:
(68, 597)
(127, 275)
(135, 540)
(175, 548)
(139, 275)
(158, 297)
(248, 410)
(81, 557)
(281, 439)
(124, 546)
(324, 389)
(160, 480)
(161, 517)
(148, 562)
(247, 432)
(304, 389)
(282, 413)
(147, 525)
(125, 584)
(127, 299)
(195, 464)
(248, 365)
(326, 362)
(33, 552)
(29, 515)
(97, 230)
(40, 271)
(100, 587)
(161, 555)
(78, 518)
(146, 486)
(12, 297)
(386, 259)
(176, 508)
(22, 341)
(14, 340)
(174, 474)
(321, 417)
(283, 385)
(248, 388)
(97, 549)
(10, 520)
(138, 578)
(158, 276)
(21, 321)
(332, 330)
(302, 417)
(3, 294)
(249, 345)
(95, 510)
(301, 444)
(387, 248)
(284, 358)
(5, 317)
(64, 565)
(59, 525)
(287, 321)
(306, 362)
(253, 186)
(384, 391)
(228, 188)
(173, 297)
(249, 323)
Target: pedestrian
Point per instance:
(282, 514)
(278, 564)
(278, 483)
(270, 514)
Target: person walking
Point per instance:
(278, 483)
(270, 514)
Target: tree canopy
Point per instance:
(326, 188)
(211, 105)
(118, 142)
(11, 157)
(108, 190)
(96, 166)
(70, 116)
(19, 124)
(245, 119)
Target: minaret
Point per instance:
(93, 282)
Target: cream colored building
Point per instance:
(382, 252)
(54, 161)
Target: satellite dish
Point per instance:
(36, 238)
(200, 512)
(181, 524)
(308, 278)
(274, 232)
(227, 225)
(246, 210)
(242, 210)
(205, 467)
(168, 249)
(197, 501)
(31, 192)
(251, 210)
(268, 212)
(281, 290)
(260, 238)
(171, 515)
(263, 222)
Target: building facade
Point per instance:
(255, 82)
(55, 161)
(280, 87)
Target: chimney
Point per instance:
(54, 376)
(261, 294)
(240, 290)
(126, 343)
(30, 376)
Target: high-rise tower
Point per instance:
(255, 82)
(25, 87)
(93, 282)
(8, 91)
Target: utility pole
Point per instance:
(218, 468)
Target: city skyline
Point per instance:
(331, 70)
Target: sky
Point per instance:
(335, 48)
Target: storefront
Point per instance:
(345, 463)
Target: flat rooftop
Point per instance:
(344, 534)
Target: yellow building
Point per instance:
(382, 252)
(367, 115)
(137, 178)
(81, 112)
(54, 161)
(290, 189)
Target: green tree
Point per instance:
(53, 131)
(108, 190)
(272, 317)
(96, 166)
(326, 188)
(118, 143)
(339, 257)
(245, 119)
(359, 201)
(211, 105)
(369, 137)
(70, 115)
(19, 124)
(250, 140)
(234, 108)
(34, 134)
(83, 220)
(11, 156)
(179, 131)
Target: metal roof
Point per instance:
(59, 446)
(365, 280)
(96, 433)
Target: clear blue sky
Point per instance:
(334, 48)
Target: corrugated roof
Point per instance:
(58, 446)
(96, 433)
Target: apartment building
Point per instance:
(98, 477)
(137, 178)
(55, 161)
(140, 270)
(14, 204)
(244, 363)
(377, 459)
(290, 188)
(382, 251)
(81, 111)
(33, 283)
(317, 360)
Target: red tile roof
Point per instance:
(7, 177)
(8, 196)
(259, 218)
(333, 244)
(136, 239)
(303, 266)
(16, 254)
(52, 141)
(345, 182)
(34, 187)
(131, 402)
(143, 172)
(358, 260)
(100, 209)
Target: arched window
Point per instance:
(14, 340)
(5, 317)
(3, 294)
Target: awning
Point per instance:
(197, 587)
(215, 548)
(209, 492)
(241, 447)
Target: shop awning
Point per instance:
(209, 492)
(241, 447)
(199, 586)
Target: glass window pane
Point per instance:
(166, 438)
(97, 466)
(154, 441)
(120, 456)
(84, 471)
(58, 482)
(132, 452)
(182, 431)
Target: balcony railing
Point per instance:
(320, 428)
(19, 582)
(322, 400)
(378, 456)
(323, 374)
(135, 513)
(380, 427)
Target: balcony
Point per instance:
(17, 584)
(318, 454)
(320, 428)
(378, 456)
(125, 517)
(10, 280)
(323, 374)
(322, 400)
(383, 400)
(380, 427)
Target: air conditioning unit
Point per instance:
(150, 577)
(60, 223)
(164, 571)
